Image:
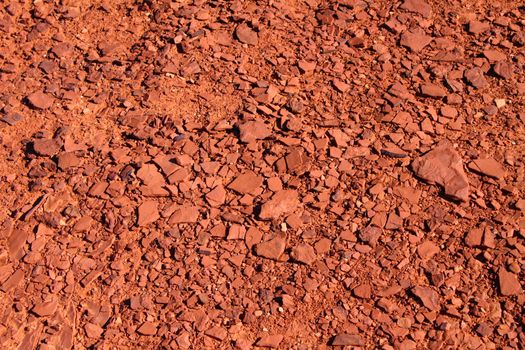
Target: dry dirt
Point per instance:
(292, 174)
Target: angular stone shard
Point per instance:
(489, 167)
(40, 100)
(303, 253)
(282, 202)
(246, 183)
(253, 130)
(443, 166)
(148, 213)
(246, 35)
(417, 6)
(345, 339)
(184, 215)
(508, 283)
(415, 40)
(428, 297)
(273, 248)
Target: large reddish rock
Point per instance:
(45, 308)
(489, 167)
(478, 27)
(427, 250)
(217, 196)
(303, 253)
(417, 6)
(428, 296)
(503, 69)
(253, 130)
(508, 283)
(16, 243)
(218, 333)
(93, 330)
(246, 183)
(363, 291)
(283, 202)
(345, 339)
(273, 248)
(40, 100)
(150, 175)
(443, 166)
(246, 35)
(147, 213)
(433, 90)
(13, 281)
(271, 341)
(147, 328)
(46, 147)
(183, 215)
(415, 40)
(476, 78)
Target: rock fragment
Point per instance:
(16, 243)
(12, 118)
(443, 166)
(46, 147)
(147, 328)
(340, 85)
(476, 78)
(185, 214)
(217, 196)
(147, 213)
(303, 253)
(428, 296)
(271, 341)
(93, 330)
(150, 175)
(283, 202)
(246, 183)
(415, 40)
(417, 6)
(433, 90)
(253, 130)
(478, 27)
(427, 250)
(40, 100)
(474, 237)
(218, 333)
(273, 248)
(246, 35)
(508, 283)
(345, 339)
(494, 55)
(45, 308)
(13, 281)
(489, 167)
(503, 69)
(363, 291)
(68, 160)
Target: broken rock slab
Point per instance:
(509, 283)
(489, 167)
(246, 35)
(283, 202)
(443, 166)
(428, 297)
(303, 253)
(345, 339)
(415, 40)
(273, 248)
(253, 130)
(417, 6)
(40, 100)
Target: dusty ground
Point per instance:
(249, 174)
